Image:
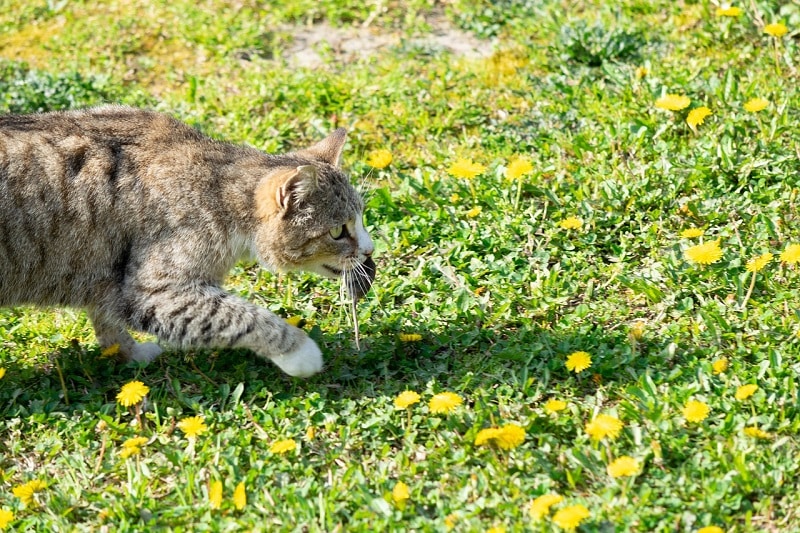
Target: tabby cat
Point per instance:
(137, 218)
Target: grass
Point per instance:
(499, 298)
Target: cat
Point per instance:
(137, 217)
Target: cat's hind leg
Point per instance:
(111, 333)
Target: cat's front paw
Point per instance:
(303, 362)
(145, 352)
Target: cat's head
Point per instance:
(311, 218)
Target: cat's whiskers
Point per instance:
(366, 186)
(365, 190)
(360, 274)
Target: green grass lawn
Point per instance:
(487, 286)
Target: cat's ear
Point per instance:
(328, 150)
(277, 194)
(296, 186)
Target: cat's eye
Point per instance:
(338, 232)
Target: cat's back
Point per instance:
(72, 149)
(80, 189)
(99, 123)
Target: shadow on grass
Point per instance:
(456, 355)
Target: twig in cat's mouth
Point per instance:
(355, 322)
(357, 280)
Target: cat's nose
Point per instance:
(368, 249)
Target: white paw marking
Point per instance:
(145, 352)
(303, 362)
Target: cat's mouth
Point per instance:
(358, 278)
(333, 270)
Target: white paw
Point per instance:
(145, 352)
(303, 362)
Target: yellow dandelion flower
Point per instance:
(758, 263)
(294, 320)
(791, 254)
(2, 372)
(776, 29)
(756, 433)
(239, 496)
(728, 11)
(571, 223)
(704, 254)
(637, 330)
(400, 494)
(720, 365)
(132, 393)
(465, 168)
(215, 494)
(711, 529)
(406, 399)
(135, 442)
(697, 115)
(623, 466)
(571, 517)
(578, 361)
(656, 447)
(695, 411)
(673, 102)
(450, 521)
(485, 436)
(6, 517)
(496, 529)
(540, 507)
(192, 426)
(311, 433)
(745, 391)
(509, 436)
(111, 351)
(454, 198)
(754, 105)
(283, 446)
(518, 168)
(554, 406)
(410, 337)
(26, 491)
(379, 158)
(444, 402)
(132, 446)
(641, 72)
(604, 426)
(474, 212)
(691, 233)
(129, 451)
(37, 485)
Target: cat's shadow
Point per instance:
(78, 376)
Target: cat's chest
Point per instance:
(241, 247)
